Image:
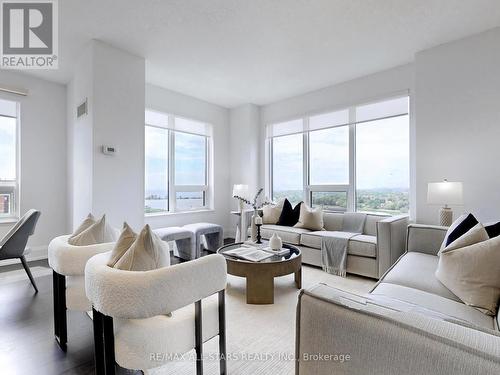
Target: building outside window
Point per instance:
(9, 151)
(177, 164)
(354, 159)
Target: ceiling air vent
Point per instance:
(82, 109)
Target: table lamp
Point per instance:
(445, 193)
(240, 190)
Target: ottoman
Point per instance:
(184, 240)
(213, 233)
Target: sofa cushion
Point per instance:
(437, 303)
(361, 244)
(289, 235)
(416, 270)
(333, 221)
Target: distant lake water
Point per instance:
(185, 201)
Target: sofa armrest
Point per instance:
(425, 239)
(391, 237)
(334, 338)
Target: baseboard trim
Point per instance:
(37, 253)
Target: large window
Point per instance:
(287, 167)
(9, 184)
(177, 164)
(352, 159)
(382, 165)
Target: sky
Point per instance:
(7, 148)
(382, 156)
(190, 154)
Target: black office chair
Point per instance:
(13, 245)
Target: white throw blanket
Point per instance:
(334, 244)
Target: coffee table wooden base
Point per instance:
(260, 277)
(260, 290)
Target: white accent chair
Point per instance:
(68, 270)
(130, 312)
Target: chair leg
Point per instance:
(60, 323)
(222, 332)
(28, 271)
(98, 342)
(198, 329)
(104, 344)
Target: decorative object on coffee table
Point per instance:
(445, 193)
(275, 242)
(258, 224)
(260, 275)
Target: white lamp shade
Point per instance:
(445, 193)
(240, 190)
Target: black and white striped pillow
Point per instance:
(459, 227)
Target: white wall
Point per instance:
(43, 155)
(80, 140)
(118, 181)
(245, 147)
(114, 82)
(167, 101)
(458, 123)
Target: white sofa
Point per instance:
(368, 254)
(408, 324)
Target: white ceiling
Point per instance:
(231, 52)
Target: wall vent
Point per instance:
(82, 109)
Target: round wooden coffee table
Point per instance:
(260, 275)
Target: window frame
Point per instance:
(351, 187)
(15, 184)
(172, 187)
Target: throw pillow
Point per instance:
(147, 252)
(126, 239)
(289, 216)
(459, 227)
(493, 229)
(310, 218)
(87, 222)
(475, 235)
(272, 212)
(472, 274)
(98, 232)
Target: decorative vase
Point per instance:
(253, 227)
(275, 242)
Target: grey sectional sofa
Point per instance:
(369, 254)
(408, 324)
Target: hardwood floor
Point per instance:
(27, 345)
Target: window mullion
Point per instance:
(171, 167)
(305, 161)
(351, 200)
